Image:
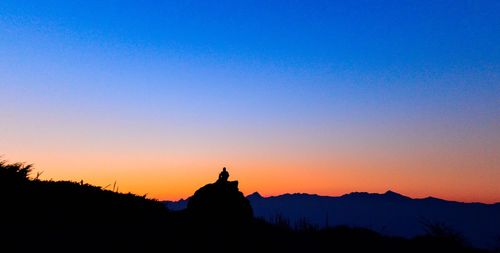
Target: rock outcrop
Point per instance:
(220, 202)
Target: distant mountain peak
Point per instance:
(391, 195)
(395, 195)
(390, 192)
(255, 195)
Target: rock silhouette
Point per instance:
(221, 202)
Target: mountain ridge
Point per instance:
(388, 192)
(389, 213)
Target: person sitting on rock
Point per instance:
(224, 175)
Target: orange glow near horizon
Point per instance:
(178, 177)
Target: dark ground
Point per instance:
(62, 216)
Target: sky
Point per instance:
(324, 97)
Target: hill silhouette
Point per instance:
(61, 216)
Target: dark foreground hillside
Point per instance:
(62, 216)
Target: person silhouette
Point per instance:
(224, 175)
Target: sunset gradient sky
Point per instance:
(320, 97)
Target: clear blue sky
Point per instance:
(284, 83)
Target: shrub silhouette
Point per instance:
(444, 232)
(15, 172)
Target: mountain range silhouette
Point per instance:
(64, 216)
(390, 213)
